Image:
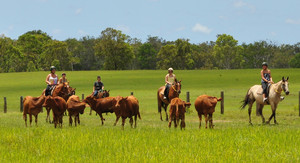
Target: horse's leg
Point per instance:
(261, 106)
(166, 106)
(205, 115)
(249, 112)
(274, 110)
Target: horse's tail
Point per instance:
(246, 101)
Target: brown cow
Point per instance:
(58, 106)
(204, 105)
(32, 106)
(74, 107)
(177, 112)
(101, 105)
(126, 108)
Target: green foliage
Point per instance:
(31, 67)
(295, 61)
(57, 64)
(227, 52)
(114, 47)
(166, 57)
(147, 56)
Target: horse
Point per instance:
(102, 94)
(63, 90)
(255, 94)
(174, 92)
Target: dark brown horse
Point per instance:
(103, 94)
(174, 91)
(62, 90)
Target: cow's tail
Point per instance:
(177, 111)
(246, 100)
(139, 115)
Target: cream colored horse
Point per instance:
(255, 94)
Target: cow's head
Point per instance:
(119, 100)
(89, 99)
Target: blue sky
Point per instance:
(246, 20)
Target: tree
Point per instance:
(295, 61)
(183, 58)
(165, 57)
(227, 52)
(31, 45)
(56, 50)
(31, 67)
(147, 56)
(202, 55)
(113, 46)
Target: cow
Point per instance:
(58, 106)
(127, 107)
(177, 112)
(32, 106)
(74, 107)
(204, 105)
(101, 105)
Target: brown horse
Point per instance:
(62, 90)
(103, 94)
(255, 94)
(174, 91)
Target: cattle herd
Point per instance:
(63, 99)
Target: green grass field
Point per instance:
(232, 139)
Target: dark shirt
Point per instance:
(98, 85)
(266, 76)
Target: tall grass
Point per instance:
(232, 139)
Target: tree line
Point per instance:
(114, 50)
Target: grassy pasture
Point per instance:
(232, 140)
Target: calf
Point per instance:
(177, 112)
(101, 105)
(204, 105)
(74, 107)
(32, 106)
(58, 106)
(126, 108)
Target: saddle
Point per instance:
(268, 91)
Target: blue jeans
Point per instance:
(96, 92)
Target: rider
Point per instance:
(51, 80)
(98, 86)
(63, 78)
(169, 79)
(266, 79)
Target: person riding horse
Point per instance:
(266, 79)
(51, 80)
(63, 78)
(170, 80)
(98, 86)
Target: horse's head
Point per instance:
(106, 93)
(285, 85)
(177, 86)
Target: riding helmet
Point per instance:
(170, 69)
(264, 64)
(52, 67)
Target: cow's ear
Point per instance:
(219, 99)
(125, 98)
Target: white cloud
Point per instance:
(239, 4)
(242, 4)
(292, 21)
(78, 11)
(123, 28)
(201, 28)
